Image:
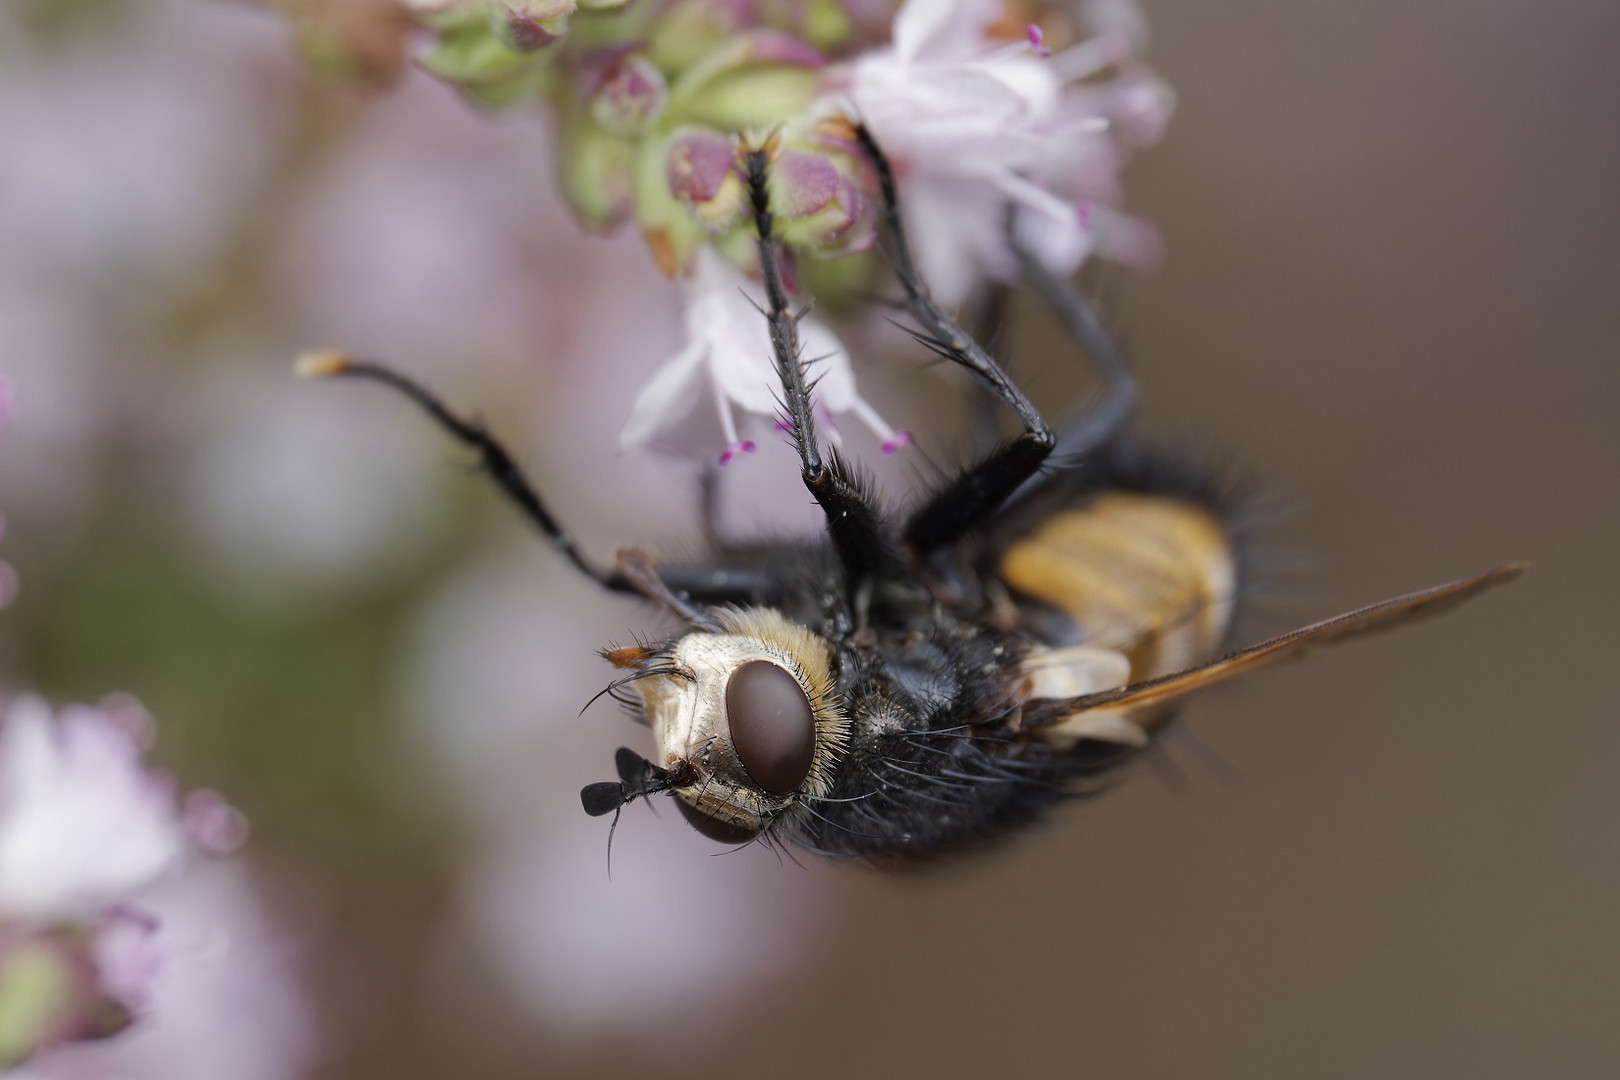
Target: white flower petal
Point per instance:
(1058, 246)
(1126, 239)
(669, 396)
(728, 352)
(740, 359)
(827, 366)
(221, 989)
(943, 28)
(955, 230)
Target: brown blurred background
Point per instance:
(1389, 301)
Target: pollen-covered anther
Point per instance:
(321, 364)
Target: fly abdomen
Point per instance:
(1153, 577)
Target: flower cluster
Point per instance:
(93, 847)
(1005, 122)
(974, 128)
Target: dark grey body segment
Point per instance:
(930, 677)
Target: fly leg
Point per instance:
(978, 492)
(704, 585)
(853, 522)
(1108, 421)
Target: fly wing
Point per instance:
(1380, 616)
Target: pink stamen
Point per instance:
(746, 446)
(892, 440)
(1082, 213)
(728, 428)
(1037, 40)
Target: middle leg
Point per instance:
(978, 492)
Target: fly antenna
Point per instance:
(638, 778)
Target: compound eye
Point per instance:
(721, 832)
(772, 726)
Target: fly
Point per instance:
(903, 686)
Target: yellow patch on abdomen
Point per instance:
(1150, 576)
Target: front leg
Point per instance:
(853, 522)
(699, 584)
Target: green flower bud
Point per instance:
(49, 994)
(473, 57)
(598, 175)
(628, 93)
(755, 80)
(753, 99)
(825, 24)
(671, 231)
(690, 31)
(527, 25)
(701, 170)
(818, 176)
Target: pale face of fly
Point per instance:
(747, 717)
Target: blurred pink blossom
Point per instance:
(432, 234)
(121, 183)
(82, 822)
(94, 847)
(589, 953)
(263, 493)
(211, 823)
(8, 576)
(123, 102)
(219, 987)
